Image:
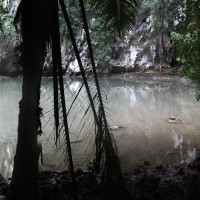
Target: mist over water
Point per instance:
(141, 108)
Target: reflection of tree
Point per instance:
(187, 153)
(7, 152)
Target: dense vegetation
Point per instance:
(7, 30)
(102, 35)
(187, 43)
(182, 27)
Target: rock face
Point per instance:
(140, 49)
(144, 47)
(9, 64)
(9, 53)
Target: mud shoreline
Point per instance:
(142, 183)
(166, 75)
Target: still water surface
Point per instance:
(141, 107)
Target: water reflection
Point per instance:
(191, 155)
(178, 141)
(187, 153)
(142, 108)
(7, 151)
(148, 134)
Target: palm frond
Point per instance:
(59, 85)
(118, 14)
(106, 139)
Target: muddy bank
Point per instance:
(166, 75)
(142, 183)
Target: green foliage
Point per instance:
(74, 15)
(163, 12)
(103, 43)
(118, 14)
(4, 16)
(102, 35)
(75, 19)
(187, 44)
(188, 48)
(6, 23)
(8, 36)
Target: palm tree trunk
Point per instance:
(24, 178)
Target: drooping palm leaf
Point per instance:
(65, 13)
(100, 123)
(118, 14)
(58, 79)
(104, 141)
(106, 156)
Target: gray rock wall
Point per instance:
(143, 47)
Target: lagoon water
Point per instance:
(142, 108)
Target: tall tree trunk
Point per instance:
(34, 34)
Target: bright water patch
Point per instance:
(141, 108)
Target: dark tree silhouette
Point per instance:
(35, 33)
(39, 23)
